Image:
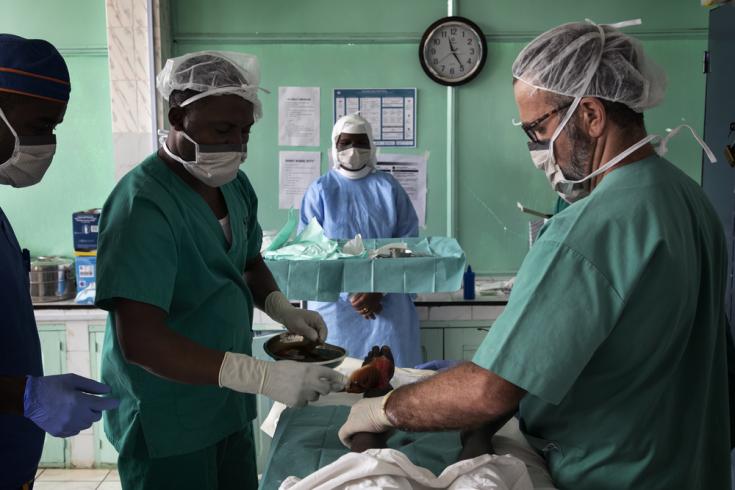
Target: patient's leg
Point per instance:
(363, 441)
(476, 442)
(373, 380)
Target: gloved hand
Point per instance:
(367, 415)
(65, 404)
(289, 382)
(437, 365)
(310, 324)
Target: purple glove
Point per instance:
(438, 365)
(65, 404)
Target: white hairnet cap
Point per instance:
(353, 124)
(583, 59)
(213, 73)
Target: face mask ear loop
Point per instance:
(663, 147)
(577, 99)
(559, 128)
(16, 147)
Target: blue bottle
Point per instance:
(469, 284)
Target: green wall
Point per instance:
(81, 175)
(352, 43)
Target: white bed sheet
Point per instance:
(508, 440)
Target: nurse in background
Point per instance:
(353, 197)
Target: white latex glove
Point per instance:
(367, 415)
(308, 323)
(289, 382)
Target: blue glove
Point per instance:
(437, 365)
(62, 405)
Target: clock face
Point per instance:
(453, 51)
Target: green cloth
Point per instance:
(440, 269)
(306, 439)
(616, 328)
(227, 465)
(310, 244)
(161, 244)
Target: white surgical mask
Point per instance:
(30, 159)
(542, 155)
(353, 162)
(354, 158)
(214, 165)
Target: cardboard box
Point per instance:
(85, 227)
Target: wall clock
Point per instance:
(453, 51)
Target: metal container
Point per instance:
(289, 346)
(52, 279)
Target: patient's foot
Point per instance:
(476, 442)
(375, 374)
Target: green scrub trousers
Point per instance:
(227, 465)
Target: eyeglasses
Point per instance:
(530, 128)
(358, 144)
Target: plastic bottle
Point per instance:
(469, 284)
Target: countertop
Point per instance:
(485, 296)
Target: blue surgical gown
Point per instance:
(375, 207)
(21, 441)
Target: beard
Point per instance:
(577, 165)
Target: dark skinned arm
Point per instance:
(11, 394)
(146, 341)
(371, 302)
(260, 281)
(466, 396)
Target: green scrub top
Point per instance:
(616, 328)
(161, 244)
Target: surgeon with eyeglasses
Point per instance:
(612, 348)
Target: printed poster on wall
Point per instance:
(410, 172)
(390, 111)
(296, 171)
(298, 116)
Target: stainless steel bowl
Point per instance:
(51, 279)
(292, 347)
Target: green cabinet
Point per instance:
(462, 343)
(432, 344)
(104, 453)
(53, 354)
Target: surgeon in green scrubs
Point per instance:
(612, 348)
(179, 269)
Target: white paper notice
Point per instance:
(298, 116)
(296, 171)
(410, 171)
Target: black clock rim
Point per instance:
(471, 25)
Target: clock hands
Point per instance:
(445, 56)
(454, 52)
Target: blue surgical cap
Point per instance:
(33, 67)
